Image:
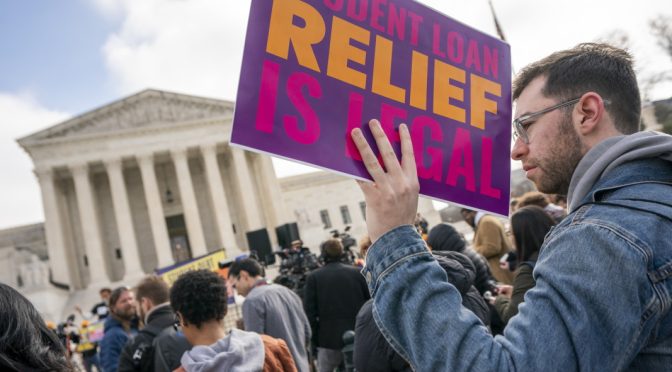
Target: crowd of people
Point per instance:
(578, 278)
(155, 327)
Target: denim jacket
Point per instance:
(601, 303)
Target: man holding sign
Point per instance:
(604, 275)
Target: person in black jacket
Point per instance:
(372, 353)
(334, 294)
(152, 295)
(443, 237)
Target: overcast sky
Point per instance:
(62, 58)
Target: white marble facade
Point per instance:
(315, 197)
(126, 186)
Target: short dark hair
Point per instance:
(333, 248)
(154, 288)
(595, 67)
(445, 238)
(114, 297)
(103, 290)
(26, 343)
(250, 265)
(199, 296)
(530, 225)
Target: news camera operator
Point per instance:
(296, 262)
(348, 243)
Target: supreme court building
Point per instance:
(145, 182)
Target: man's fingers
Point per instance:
(365, 184)
(387, 153)
(366, 187)
(407, 155)
(368, 157)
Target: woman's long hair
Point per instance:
(530, 225)
(26, 344)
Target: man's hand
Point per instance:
(392, 198)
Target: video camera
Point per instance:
(295, 264)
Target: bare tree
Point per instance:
(617, 38)
(621, 39)
(661, 28)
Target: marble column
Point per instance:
(278, 212)
(220, 206)
(122, 214)
(156, 218)
(93, 241)
(250, 207)
(53, 226)
(189, 204)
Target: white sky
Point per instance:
(195, 47)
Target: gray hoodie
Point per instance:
(239, 351)
(611, 153)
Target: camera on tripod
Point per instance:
(295, 264)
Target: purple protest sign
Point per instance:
(314, 71)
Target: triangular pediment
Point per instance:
(147, 108)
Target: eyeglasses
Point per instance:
(520, 126)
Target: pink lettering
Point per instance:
(355, 108)
(415, 27)
(397, 21)
(491, 61)
(311, 133)
(377, 13)
(455, 47)
(335, 5)
(268, 96)
(436, 48)
(486, 170)
(462, 161)
(420, 124)
(473, 57)
(357, 15)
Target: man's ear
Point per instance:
(180, 318)
(588, 113)
(244, 275)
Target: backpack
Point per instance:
(142, 357)
(167, 349)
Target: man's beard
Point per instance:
(125, 315)
(563, 157)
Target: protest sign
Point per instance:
(313, 71)
(209, 261)
(95, 331)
